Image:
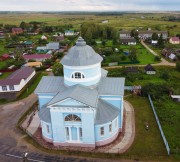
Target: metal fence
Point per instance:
(159, 125)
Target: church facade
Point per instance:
(83, 108)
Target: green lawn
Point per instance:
(148, 144)
(169, 114)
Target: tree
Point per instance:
(88, 34)
(157, 58)
(134, 33)
(161, 41)
(154, 36)
(57, 69)
(178, 66)
(133, 53)
(23, 25)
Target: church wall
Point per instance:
(116, 101)
(58, 129)
(92, 75)
(44, 99)
(88, 128)
(70, 102)
(46, 134)
(107, 134)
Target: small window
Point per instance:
(47, 128)
(67, 131)
(116, 123)
(11, 88)
(80, 132)
(4, 88)
(110, 127)
(78, 75)
(102, 131)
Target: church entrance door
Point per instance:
(74, 133)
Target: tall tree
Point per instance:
(57, 69)
(161, 41)
(154, 36)
(133, 53)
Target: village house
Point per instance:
(4, 57)
(148, 34)
(16, 81)
(93, 118)
(172, 57)
(69, 33)
(33, 64)
(53, 46)
(144, 34)
(149, 69)
(128, 41)
(48, 47)
(125, 34)
(174, 40)
(17, 31)
(41, 49)
(1, 34)
(59, 38)
(37, 57)
(176, 97)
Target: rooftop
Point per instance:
(16, 77)
(81, 55)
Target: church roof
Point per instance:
(81, 55)
(50, 84)
(44, 114)
(111, 86)
(106, 86)
(105, 112)
(78, 92)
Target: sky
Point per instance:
(89, 5)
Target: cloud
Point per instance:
(89, 5)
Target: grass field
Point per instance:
(125, 21)
(148, 143)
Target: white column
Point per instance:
(78, 133)
(70, 135)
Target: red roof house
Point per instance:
(4, 57)
(17, 31)
(17, 80)
(174, 40)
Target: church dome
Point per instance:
(81, 55)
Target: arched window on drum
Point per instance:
(73, 118)
(78, 75)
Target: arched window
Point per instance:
(78, 75)
(73, 118)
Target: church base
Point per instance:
(74, 144)
(109, 140)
